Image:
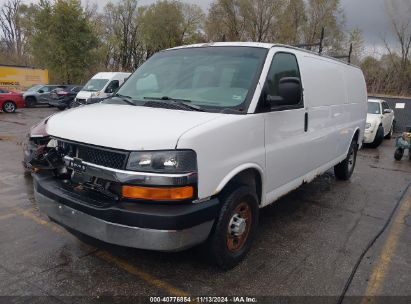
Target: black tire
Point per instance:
(379, 137)
(223, 235)
(30, 102)
(9, 107)
(345, 169)
(389, 135)
(399, 153)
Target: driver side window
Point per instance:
(284, 65)
(112, 86)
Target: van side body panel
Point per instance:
(335, 100)
(225, 147)
(335, 95)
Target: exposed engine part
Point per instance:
(47, 154)
(44, 158)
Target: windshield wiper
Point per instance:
(168, 98)
(126, 99)
(181, 102)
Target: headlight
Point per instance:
(367, 126)
(173, 161)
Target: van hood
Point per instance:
(126, 127)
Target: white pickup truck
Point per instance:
(199, 139)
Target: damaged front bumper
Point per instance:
(144, 225)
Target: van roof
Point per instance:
(259, 45)
(109, 75)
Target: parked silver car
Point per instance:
(40, 94)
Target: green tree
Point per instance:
(292, 22)
(325, 14)
(167, 24)
(224, 21)
(64, 41)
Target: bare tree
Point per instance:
(224, 21)
(399, 13)
(193, 19)
(121, 36)
(12, 33)
(262, 19)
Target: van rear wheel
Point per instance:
(345, 169)
(235, 227)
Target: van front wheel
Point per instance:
(235, 227)
(345, 169)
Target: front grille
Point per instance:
(100, 156)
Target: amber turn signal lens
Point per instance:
(158, 194)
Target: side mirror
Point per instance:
(289, 91)
(388, 111)
(109, 90)
(41, 91)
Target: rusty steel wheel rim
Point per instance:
(239, 227)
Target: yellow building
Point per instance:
(20, 78)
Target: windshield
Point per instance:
(210, 77)
(374, 108)
(95, 85)
(35, 88)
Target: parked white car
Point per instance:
(197, 140)
(380, 122)
(100, 86)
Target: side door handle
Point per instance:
(306, 122)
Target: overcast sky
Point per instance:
(367, 15)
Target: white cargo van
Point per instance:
(199, 139)
(101, 85)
